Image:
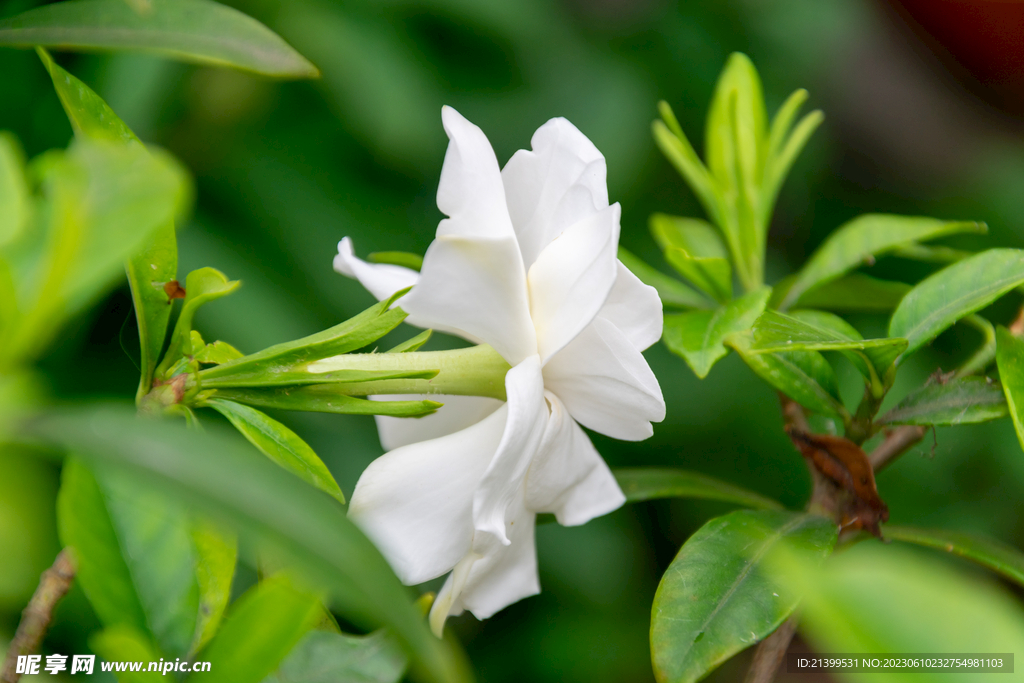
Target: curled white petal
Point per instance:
(380, 279)
(634, 308)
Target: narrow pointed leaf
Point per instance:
(216, 353)
(862, 240)
(782, 122)
(959, 401)
(954, 293)
(397, 258)
(322, 657)
(716, 598)
(216, 557)
(1010, 360)
(650, 483)
(671, 291)
(125, 644)
(413, 344)
(713, 276)
(779, 165)
(853, 292)
(14, 193)
(303, 377)
(931, 253)
(998, 557)
(198, 31)
(279, 443)
(201, 287)
(677, 149)
(326, 398)
(698, 238)
(699, 336)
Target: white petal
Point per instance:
(606, 384)
(503, 483)
(477, 287)
(416, 502)
(457, 413)
(570, 280)
(568, 477)
(557, 183)
(634, 308)
(380, 279)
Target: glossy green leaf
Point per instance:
(804, 376)
(853, 292)
(216, 473)
(650, 483)
(325, 398)
(863, 239)
(125, 644)
(413, 343)
(201, 287)
(998, 557)
(695, 236)
(155, 263)
(715, 599)
(1010, 360)
(278, 443)
(322, 657)
(875, 598)
(672, 142)
(959, 401)
(671, 291)
(954, 293)
(14, 193)
(397, 258)
(216, 557)
(259, 631)
(710, 275)
(699, 336)
(198, 31)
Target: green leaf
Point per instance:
(672, 142)
(325, 398)
(216, 557)
(650, 483)
(322, 657)
(804, 376)
(854, 292)
(413, 344)
(930, 254)
(699, 336)
(954, 293)
(711, 275)
(715, 599)
(1010, 361)
(1005, 560)
(697, 237)
(259, 631)
(197, 31)
(819, 331)
(155, 263)
(959, 401)
(672, 292)
(397, 258)
(780, 162)
(14, 193)
(874, 598)
(280, 444)
(216, 353)
(216, 473)
(862, 240)
(124, 644)
(201, 286)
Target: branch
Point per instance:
(53, 585)
(895, 444)
(769, 653)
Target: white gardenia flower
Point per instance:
(526, 262)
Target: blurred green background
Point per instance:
(919, 120)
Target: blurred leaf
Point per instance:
(672, 142)
(216, 557)
(322, 657)
(1010, 360)
(715, 598)
(260, 630)
(216, 473)
(196, 31)
(397, 258)
(930, 254)
(14, 193)
(280, 444)
(863, 239)
(998, 557)
(784, 147)
(650, 483)
(201, 286)
(711, 275)
(123, 643)
(155, 263)
(412, 344)
(804, 376)
(854, 292)
(985, 354)
(216, 353)
(325, 398)
(695, 236)
(882, 599)
(954, 293)
(959, 401)
(699, 336)
(672, 291)
(819, 331)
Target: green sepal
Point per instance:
(325, 398)
(413, 344)
(397, 258)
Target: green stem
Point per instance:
(984, 356)
(474, 371)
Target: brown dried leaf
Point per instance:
(174, 290)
